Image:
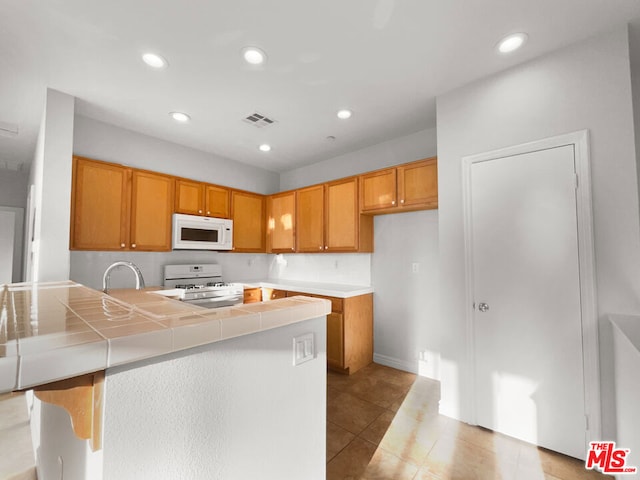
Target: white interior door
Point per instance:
(529, 380)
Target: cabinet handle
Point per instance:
(292, 249)
(320, 247)
(208, 212)
(133, 245)
(122, 245)
(326, 247)
(402, 201)
(393, 202)
(199, 211)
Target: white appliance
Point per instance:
(191, 232)
(202, 285)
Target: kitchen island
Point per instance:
(186, 392)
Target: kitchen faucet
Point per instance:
(107, 275)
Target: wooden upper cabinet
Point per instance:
(310, 219)
(281, 222)
(248, 214)
(151, 210)
(119, 208)
(408, 187)
(341, 217)
(189, 197)
(197, 198)
(418, 184)
(99, 205)
(216, 201)
(378, 190)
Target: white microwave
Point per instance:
(191, 232)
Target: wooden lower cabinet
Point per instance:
(349, 332)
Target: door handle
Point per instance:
(483, 307)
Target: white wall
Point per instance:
(585, 86)
(48, 256)
(102, 141)
(236, 409)
(406, 301)
(405, 149)
(343, 268)
(87, 267)
(634, 56)
(13, 187)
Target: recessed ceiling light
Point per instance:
(254, 55)
(154, 60)
(180, 117)
(265, 147)
(344, 114)
(512, 42)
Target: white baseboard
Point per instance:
(396, 363)
(407, 366)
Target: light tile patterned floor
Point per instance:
(16, 452)
(383, 423)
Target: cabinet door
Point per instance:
(248, 213)
(189, 197)
(100, 206)
(342, 215)
(151, 209)
(335, 340)
(378, 190)
(252, 295)
(310, 219)
(418, 184)
(216, 201)
(281, 214)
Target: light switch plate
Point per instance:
(304, 348)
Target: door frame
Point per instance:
(586, 261)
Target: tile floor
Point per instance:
(15, 437)
(383, 423)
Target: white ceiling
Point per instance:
(387, 60)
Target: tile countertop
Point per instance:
(315, 288)
(56, 330)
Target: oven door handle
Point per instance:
(225, 298)
(222, 299)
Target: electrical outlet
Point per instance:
(304, 348)
(415, 267)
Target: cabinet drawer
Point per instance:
(273, 294)
(252, 295)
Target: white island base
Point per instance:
(233, 409)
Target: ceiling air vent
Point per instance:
(259, 120)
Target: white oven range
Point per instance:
(202, 285)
